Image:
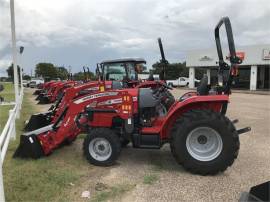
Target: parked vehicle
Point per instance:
(181, 81)
(35, 82)
(25, 83)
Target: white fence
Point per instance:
(9, 132)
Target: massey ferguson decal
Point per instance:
(91, 97)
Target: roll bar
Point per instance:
(234, 59)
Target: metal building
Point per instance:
(253, 72)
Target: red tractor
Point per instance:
(113, 74)
(201, 137)
(46, 88)
(109, 68)
(55, 91)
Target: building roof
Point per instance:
(137, 60)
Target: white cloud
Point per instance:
(118, 28)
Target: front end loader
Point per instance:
(56, 92)
(47, 88)
(40, 120)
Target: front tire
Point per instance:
(204, 142)
(102, 147)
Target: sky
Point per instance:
(76, 33)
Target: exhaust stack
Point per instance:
(163, 61)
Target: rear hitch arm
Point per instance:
(243, 130)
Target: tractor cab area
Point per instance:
(122, 69)
(122, 73)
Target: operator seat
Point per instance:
(203, 88)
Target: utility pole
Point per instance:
(14, 51)
(21, 69)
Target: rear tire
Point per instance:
(204, 142)
(102, 147)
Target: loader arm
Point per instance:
(43, 141)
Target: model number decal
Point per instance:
(91, 97)
(109, 102)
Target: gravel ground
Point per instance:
(172, 183)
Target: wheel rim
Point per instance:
(204, 143)
(100, 149)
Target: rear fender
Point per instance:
(210, 102)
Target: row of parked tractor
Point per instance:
(118, 109)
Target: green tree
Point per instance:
(80, 76)
(62, 73)
(46, 70)
(26, 77)
(176, 70)
(10, 72)
(172, 71)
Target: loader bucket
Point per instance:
(39, 96)
(37, 92)
(258, 193)
(44, 100)
(29, 147)
(37, 121)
